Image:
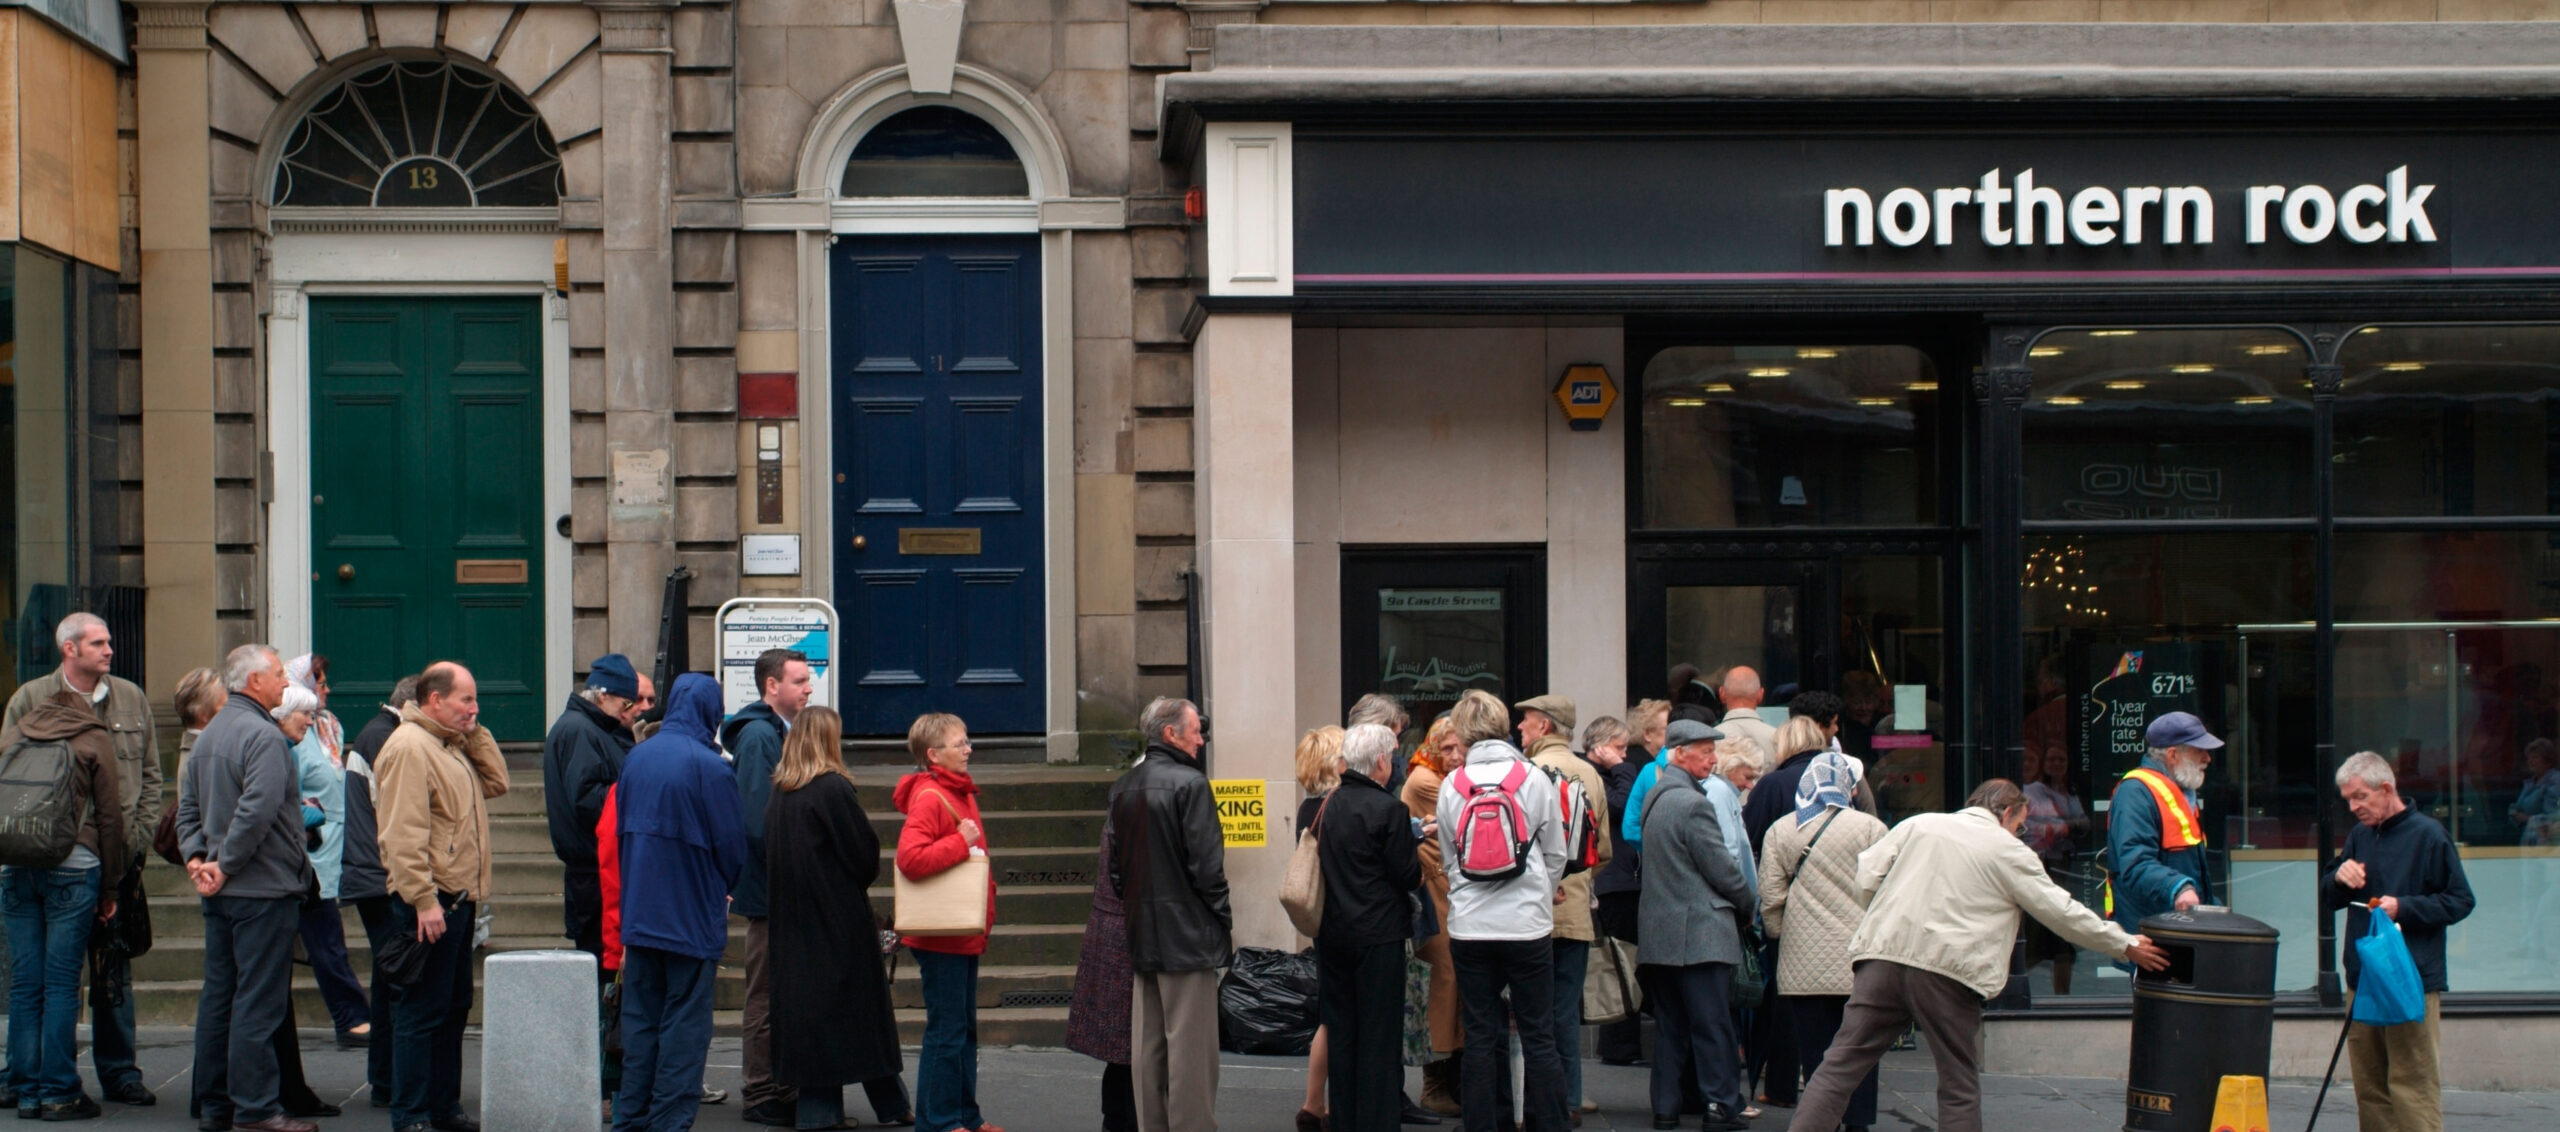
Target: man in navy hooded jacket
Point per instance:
(682, 848)
(753, 737)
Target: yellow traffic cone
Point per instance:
(2241, 1105)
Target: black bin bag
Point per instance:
(1267, 1003)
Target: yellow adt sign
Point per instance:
(1240, 811)
(1586, 394)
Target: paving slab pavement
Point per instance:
(1048, 1090)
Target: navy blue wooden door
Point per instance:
(937, 494)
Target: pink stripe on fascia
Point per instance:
(2164, 275)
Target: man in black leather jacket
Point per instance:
(1169, 864)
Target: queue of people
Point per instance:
(1464, 893)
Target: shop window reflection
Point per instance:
(2448, 664)
(2121, 629)
(1773, 436)
(2448, 420)
(2168, 424)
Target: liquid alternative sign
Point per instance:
(2017, 211)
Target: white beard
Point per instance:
(2188, 774)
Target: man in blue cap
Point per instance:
(2155, 825)
(581, 759)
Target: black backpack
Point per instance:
(41, 810)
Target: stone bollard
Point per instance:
(540, 1067)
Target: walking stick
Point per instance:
(2340, 1048)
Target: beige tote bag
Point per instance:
(950, 902)
(1302, 887)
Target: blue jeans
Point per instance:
(947, 1069)
(1573, 960)
(49, 912)
(666, 1036)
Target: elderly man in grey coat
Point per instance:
(1688, 939)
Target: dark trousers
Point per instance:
(293, 1089)
(1360, 998)
(1620, 1043)
(324, 939)
(1526, 969)
(1770, 1059)
(1692, 1034)
(248, 983)
(1119, 1099)
(111, 1045)
(582, 912)
(666, 1036)
(375, 911)
(1816, 1020)
(1885, 998)
(427, 1017)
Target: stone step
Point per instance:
(510, 874)
(1025, 829)
(538, 915)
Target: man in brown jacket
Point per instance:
(50, 910)
(433, 782)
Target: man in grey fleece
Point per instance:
(240, 825)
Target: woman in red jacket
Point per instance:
(942, 830)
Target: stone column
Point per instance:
(171, 112)
(1246, 492)
(639, 319)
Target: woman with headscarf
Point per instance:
(1440, 752)
(320, 761)
(294, 715)
(1809, 903)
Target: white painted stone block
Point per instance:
(539, 1068)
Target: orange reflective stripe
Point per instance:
(2179, 827)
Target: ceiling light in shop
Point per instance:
(2113, 333)
(2064, 401)
(2125, 386)
(1715, 387)
(1814, 353)
(1876, 402)
(2045, 352)
(1922, 387)
(2403, 367)
(1687, 402)
(1768, 371)
(2253, 400)
(2192, 367)
(2269, 350)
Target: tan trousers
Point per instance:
(2397, 1087)
(755, 1028)
(1174, 1050)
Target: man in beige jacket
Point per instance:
(1943, 896)
(1545, 723)
(432, 786)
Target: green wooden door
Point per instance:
(426, 506)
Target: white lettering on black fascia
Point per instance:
(2019, 212)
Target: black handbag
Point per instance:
(402, 957)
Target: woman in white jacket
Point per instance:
(1809, 902)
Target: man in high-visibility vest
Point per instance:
(2155, 825)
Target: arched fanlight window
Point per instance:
(934, 151)
(419, 133)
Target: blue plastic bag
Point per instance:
(2388, 989)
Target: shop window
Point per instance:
(2168, 424)
(2121, 629)
(2449, 420)
(59, 497)
(935, 151)
(2448, 665)
(1777, 436)
(419, 133)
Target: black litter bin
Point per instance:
(2211, 1015)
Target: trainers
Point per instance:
(713, 1096)
(77, 1108)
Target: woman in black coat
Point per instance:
(832, 1022)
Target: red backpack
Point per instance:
(1493, 833)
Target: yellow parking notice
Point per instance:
(1240, 811)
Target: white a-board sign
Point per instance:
(747, 626)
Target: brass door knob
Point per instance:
(346, 572)
(860, 542)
